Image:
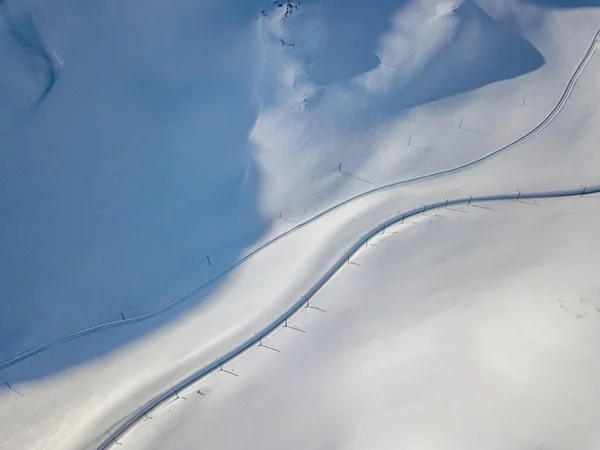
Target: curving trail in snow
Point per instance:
(125, 424)
(537, 129)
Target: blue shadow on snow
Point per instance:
(132, 170)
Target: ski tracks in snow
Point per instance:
(537, 129)
(128, 422)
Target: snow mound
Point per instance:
(459, 49)
(429, 52)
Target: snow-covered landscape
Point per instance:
(311, 225)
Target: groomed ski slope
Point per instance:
(537, 129)
(122, 427)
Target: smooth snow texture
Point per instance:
(569, 88)
(422, 59)
(463, 331)
(179, 130)
(130, 172)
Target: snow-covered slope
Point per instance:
(179, 134)
(135, 168)
(461, 331)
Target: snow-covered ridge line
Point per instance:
(118, 323)
(125, 424)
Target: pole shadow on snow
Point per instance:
(135, 168)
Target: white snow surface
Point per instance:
(138, 138)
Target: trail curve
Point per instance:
(531, 133)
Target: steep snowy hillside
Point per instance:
(192, 201)
(117, 184)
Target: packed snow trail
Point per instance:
(118, 323)
(125, 424)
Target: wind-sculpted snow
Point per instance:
(30, 68)
(478, 50)
(326, 87)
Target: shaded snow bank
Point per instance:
(307, 127)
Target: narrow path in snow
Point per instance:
(553, 113)
(128, 422)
